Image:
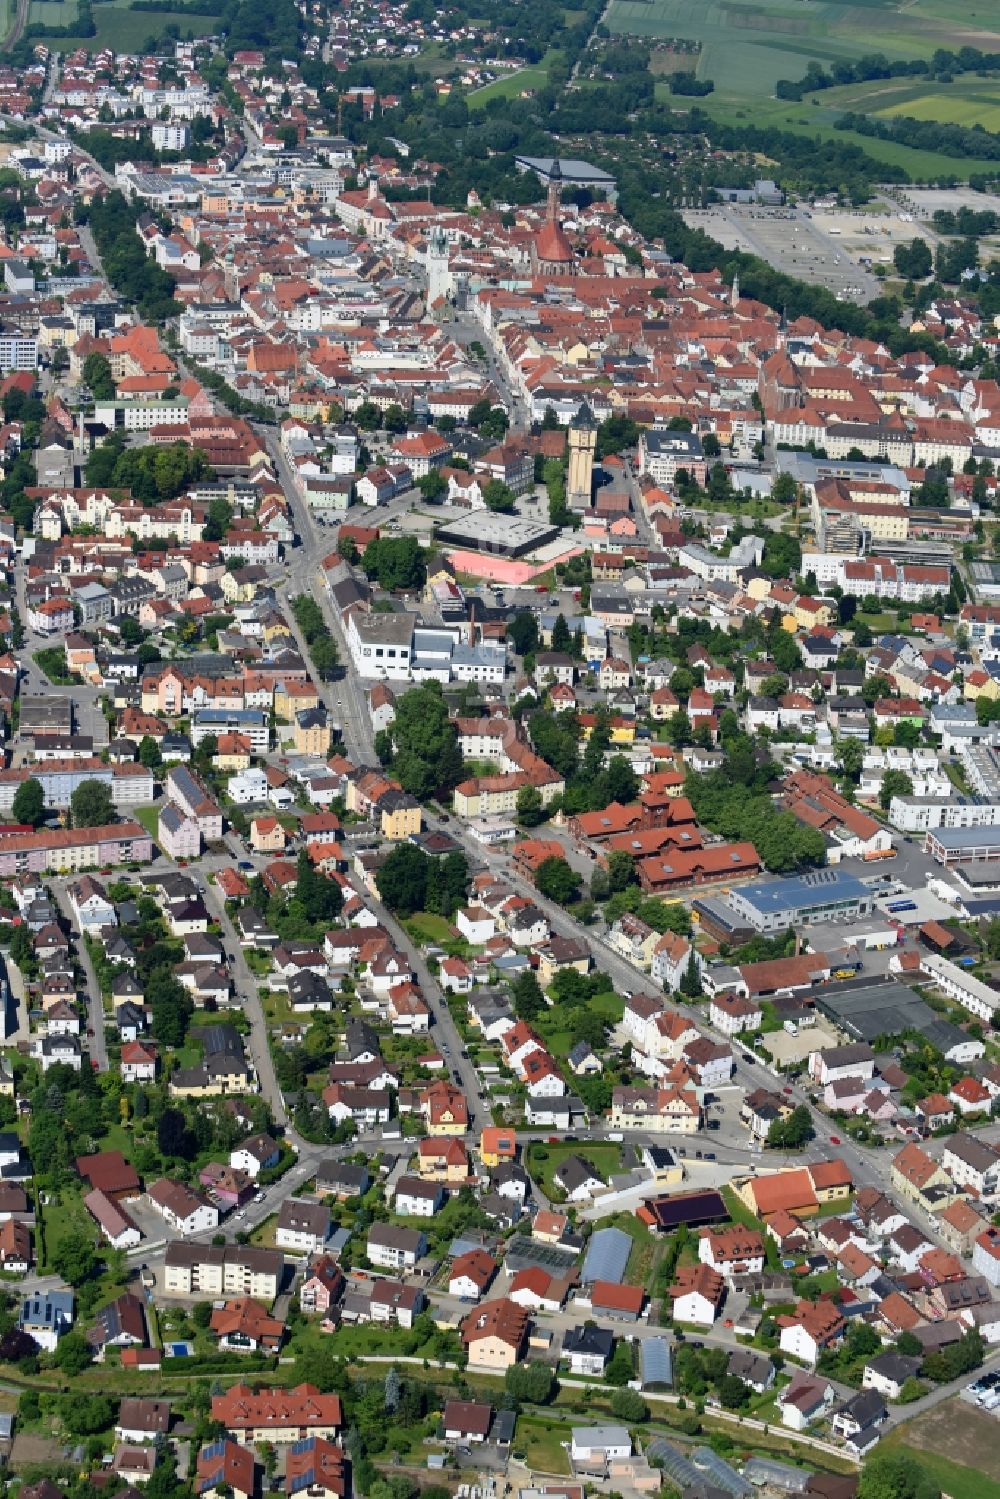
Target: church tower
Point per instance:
(439, 285)
(582, 447)
(551, 252)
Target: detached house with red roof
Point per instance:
(813, 1326)
(471, 1274)
(969, 1096)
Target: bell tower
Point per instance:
(582, 447)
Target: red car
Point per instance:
(834, 1139)
(786, 1090)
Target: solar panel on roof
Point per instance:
(523, 1252)
(214, 1449)
(692, 1208)
(607, 1256)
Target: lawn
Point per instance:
(950, 1431)
(63, 1219)
(738, 1211)
(816, 118)
(149, 817)
(544, 1159)
(358, 1341)
(431, 930)
(541, 1442)
(52, 661)
(118, 27)
(512, 85)
(879, 624)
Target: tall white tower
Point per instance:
(439, 283)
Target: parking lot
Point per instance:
(793, 241)
(984, 1392)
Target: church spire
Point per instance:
(555, 188)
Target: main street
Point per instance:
(96, 1042)
(345, 699)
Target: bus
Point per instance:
(901, 905)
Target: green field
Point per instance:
(118, 27)
(747, 45)
(942, 1436)
(513, 84)
(969, 101)
(815, 118)
(544, 1160)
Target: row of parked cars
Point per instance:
(985, 1391)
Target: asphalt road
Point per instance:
(246, 986)
(94, 1042)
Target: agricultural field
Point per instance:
(747, 45)
(969, 101)
(958, 1444)
(117, 26)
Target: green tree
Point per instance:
(561, 638)
(913, 261)
(628, 1405)
(733, 1393)
(558, 881)
(149, 753)
(527, 997)
(894, 783)
(367, 416)
(852, 757)
(85, 1415)
(621, 1365)
(896, 1475)
(679, 729)
(174, 1137)
(533, 1383)
(522, 631)
(530, 807)
(792, 1133)
(220, 518)
(498, 496)
(28, 805)
(325, 656)
(621, 870)
(690, 985)
(91, 805)
(171, 1006)
(402, 879)
(427, 758)
(396, 562)
(73, 1353)
(74, 1258)
(433, 485)
(98, 377)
